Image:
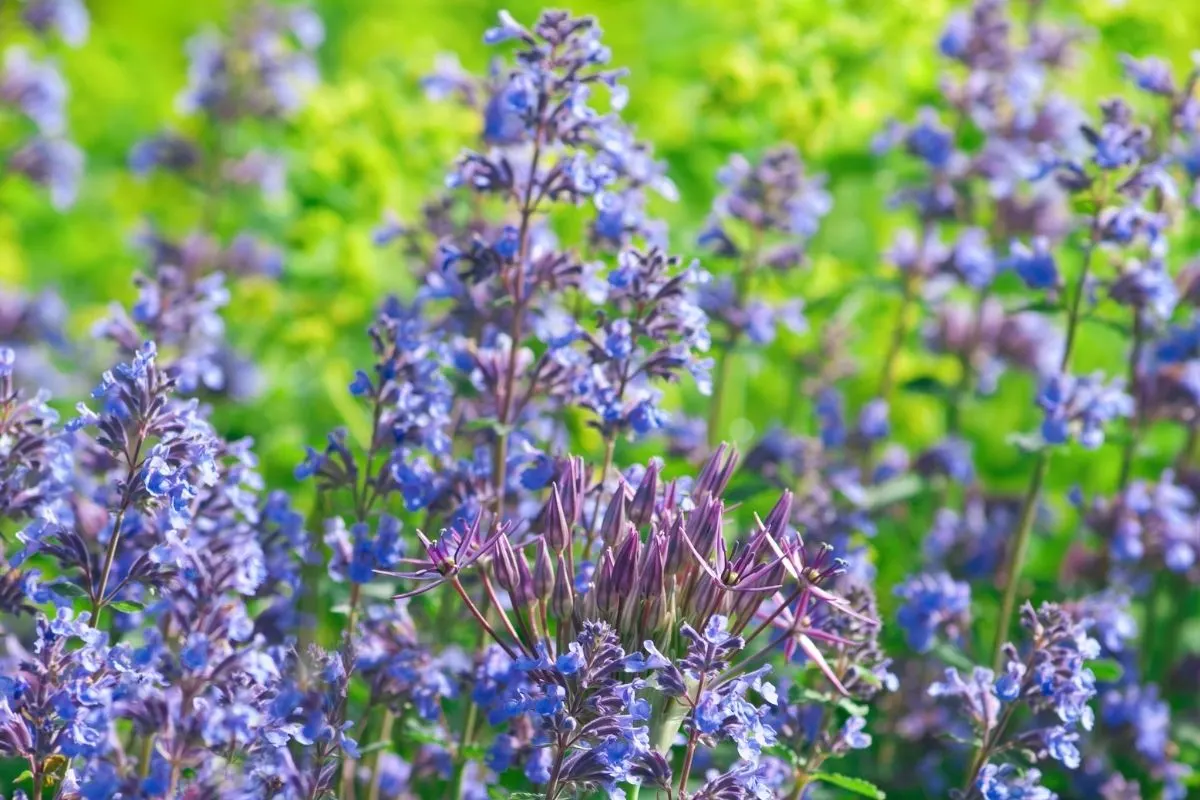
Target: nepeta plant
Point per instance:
(518, 570)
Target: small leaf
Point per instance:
(1027, 442)
(125, 606)
(1040, 307)
(893, 491)
(24, 776)
(69, 589)
(1106, 670)
(927, 384)
(856, 785)
(951, 655)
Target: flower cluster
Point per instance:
(512, 569)
(33, 88)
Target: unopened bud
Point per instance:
(562, 602)
(543, 573)
(642, 508)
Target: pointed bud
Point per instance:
(676, 550)
(505, 561)
(705, 526)
(522, 592)
(703, 601)
(717, 471)
(776, 522)
(562, 602)
(654, 565)
(625, 566)
(642, 508)
(543, 573)
(558, 526)
(613, 527)
(607, 598)
(572, 490)
(655, 614)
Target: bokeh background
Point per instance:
(707, 77)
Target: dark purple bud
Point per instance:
(607, 598)
(654, 566)
(777, 521)
(717, 471)
(704, 600)
(625, 568)
(614, 524)
(558, 526)
(506, 564)
(543, 573)
(562, 603)
(704, 526)
(652, 769)
(745, 604)
(572, 489)
(522, 592)
(643, 501)
(676, 550)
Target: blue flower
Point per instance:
(1036, 266)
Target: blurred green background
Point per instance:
(708, 78)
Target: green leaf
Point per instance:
(69, 589)
(927, 384)
(1027, 442)
(1041, 307)
(951, 655)
(1106, 670)
(27, 775)
(828, 698)
(125, 606)
(893, 491)
(856, 785)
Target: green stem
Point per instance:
(1135, 423)
(716, 406)
(1033, 494)
(899, 334)
(1017, 557)
(385, 736)
(468, 730)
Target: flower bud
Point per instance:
(777, 521)
(558, 526)
(704, 526)
(505, 561)
(676, 550)
(717, 471)
(572, 490)
(625, 564)
(615, 517)
(654, 566)
(522, 591)
(654, 615)
(562, 602)
(642, 508)
(543, 573)
(607, 598)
